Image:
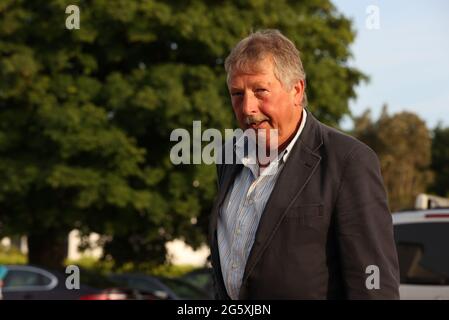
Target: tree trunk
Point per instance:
(48, 249)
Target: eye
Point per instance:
(261, 91)
(237, 94)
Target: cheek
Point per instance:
(237, 110)
(277, 110)
(270, 110)
(267, 107)
(238, 114)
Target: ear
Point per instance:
(298, 92)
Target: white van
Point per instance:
(422, 240)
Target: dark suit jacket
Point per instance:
(326, 221)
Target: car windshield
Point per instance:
(422, 252)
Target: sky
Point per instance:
(406, 57)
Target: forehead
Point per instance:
(258, 72)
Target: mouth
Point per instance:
(258, 125)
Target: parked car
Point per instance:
(201, 278)
(422, 240)
(161, 287)
(119, 294)
(26, 282)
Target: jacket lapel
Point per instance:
(297, 171)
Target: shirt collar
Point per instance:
(248, 158)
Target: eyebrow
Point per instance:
(262, 84)
(256, 84)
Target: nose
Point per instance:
(250, 104)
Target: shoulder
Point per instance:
(345, 148)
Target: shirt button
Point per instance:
(250, 201)
(234, 266)
(238, 231)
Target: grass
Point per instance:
(14, 256)
(172, 270)
(166, 270)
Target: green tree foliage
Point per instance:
(86, 115)
(440, 161)
(402, 143)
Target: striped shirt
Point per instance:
(241, 212)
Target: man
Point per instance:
(313, 223)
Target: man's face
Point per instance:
(261, 102)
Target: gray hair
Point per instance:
(268, 43)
